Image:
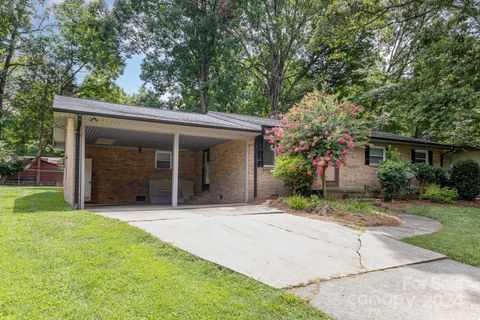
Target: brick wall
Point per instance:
(227, 172)
(357, 176)
(268, 186)
(119, 175)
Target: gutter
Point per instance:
(416, 142)
(77, 162)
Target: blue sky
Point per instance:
(130, 80)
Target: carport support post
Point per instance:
(247, 156)
(176, 138)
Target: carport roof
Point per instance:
(114, 110)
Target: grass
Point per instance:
(459, 239)
(353, 205)
(61, 264)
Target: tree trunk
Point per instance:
(204, 91)
(324, 186)
(4, 74)
(39, 168)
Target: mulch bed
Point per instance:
(359, 219)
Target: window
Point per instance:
(376, 155)
(420, 156)
(163, 160)
(268, 153)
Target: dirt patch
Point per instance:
(360, 219)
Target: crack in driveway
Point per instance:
(358, 251)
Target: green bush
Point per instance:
(292, 170)
(394, 177)
(8, 168)
(297, 202)
(465, 177)
(424, 174)
(438, 194)
(441, 177)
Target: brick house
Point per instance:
(117, 154)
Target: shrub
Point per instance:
(424, 173)
(323, 130)
(394, 177)
(8, 168)
(437, 194)
(297, 202)
(441, 177)
(465, 177)
(292, 170)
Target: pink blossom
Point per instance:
(351, 145)
(309, 134)
(341, 140)
(305, 127)
(313, 144)
(338, 163)
(309, 172)
(326, 133)
(309, 156)
(329, 138)
(345, 152)
(279, 148)
(328, 158)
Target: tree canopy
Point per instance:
(415, 64)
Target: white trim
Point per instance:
(247, 162)
(176, 141)
(163, 152)
(425, 151)
(82, 166)
(377, 147)
(146, 126)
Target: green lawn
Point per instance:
(61, 264)
(459, 239)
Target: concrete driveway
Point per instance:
(275, 248)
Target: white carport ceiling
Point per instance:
(152, 140)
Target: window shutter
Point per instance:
(367, 155)
(430, 157)
(413, 155)
(259, 155)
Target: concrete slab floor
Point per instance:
(440, 290)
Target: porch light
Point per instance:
(105, 141)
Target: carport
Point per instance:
(125, 155)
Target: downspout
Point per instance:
(255, 165)
(77, 162)
(445, 153)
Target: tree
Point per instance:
(185, 47)
(323, 131)
(101, 87)
(291, 47)
(87, 40)
(427, 85)
(17, 35)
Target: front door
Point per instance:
(88, 179)
(206, 170)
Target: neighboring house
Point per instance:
(45, 172)
(117, 154)
(461, 154)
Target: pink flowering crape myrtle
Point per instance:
(323, 130)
